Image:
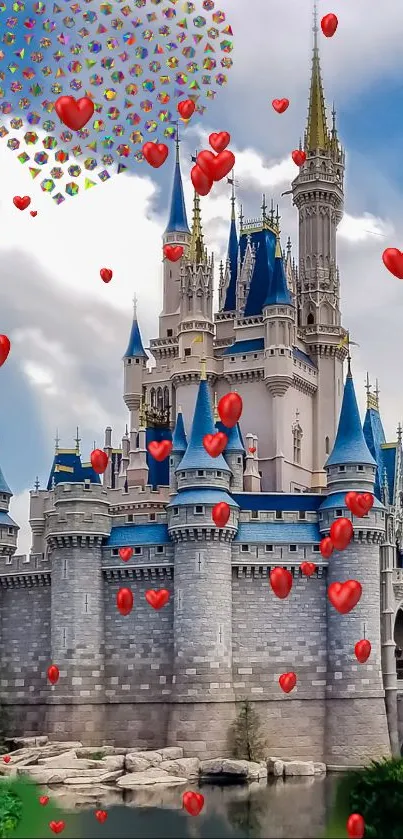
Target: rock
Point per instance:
(275, 767)
(26, 742)
(101, 751)
(319, 768)
(141, 761)
(70, 761)
(185, 767)
(224, 766)
(256, 771)
(149, 777)
(23, 757)
(298, 767)
(171, 753)
(85, 778)
(54, 775)
(75, 796)
(113, 763)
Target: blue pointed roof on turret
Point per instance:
(196, 456)
(177, 221)
(4, 488)
(264, 242)
(232, 257)
(135, 347)
(278, 292)
(179, 440)
(350, 445)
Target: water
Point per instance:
(298, 808)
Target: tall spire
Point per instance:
(232, 256)
(135, 347)
(317, 135)
(350, 445)
(196, 250)
(177, 222)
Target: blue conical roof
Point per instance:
(4, 488)
(179, 440)
(196, 456)
(235, 443)
(264, 242)
(177, 221)
(350, 445)
(374, 436)
(278, 291)
(135, 347)
(230, 296)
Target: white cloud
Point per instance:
(359, 229)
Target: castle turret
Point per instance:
(196, 303)
(177, 233)
(137, 470)
(203, 592)
(179, 446)
(134, 360)
(234, 453)
(228, 303)
(125, 460)
(354, 691)
(8, 528)
(252, 481)
(107, 476)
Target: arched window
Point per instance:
(159, 399)
(166, 397)
(310, 319)
(327, 445)
(152, 397)
(297, 439)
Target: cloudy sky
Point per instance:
(68, 329)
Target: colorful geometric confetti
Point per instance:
(134, 60)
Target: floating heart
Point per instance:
(106, 274)
(193, 802)
(298, 156)
(281, 582)
(101, 816)
(308, 568)
(201, 181)
(205, 160)
(53, 674)
(326, 547)
(33, 213)
(99, 461)
(21, 203)
(125, 554)
(173, 252)
(329, 24)
(4, 348)
(75, 113)
(155, 154)
(160, 450)
(230, 409)
(341, 533)
(362, 650)
(393, 260)
(221, 513)
(186, 108)
(344, 596)
(287, 682)
(215, 443)
(220, 141)
(157, 598)
(355, 826)
(6, 758)
(43, 800)
(368, 500)
(57, 827)
(353, 502)
(252, 449)
(280, 105)
(223, 164)
(124, 601)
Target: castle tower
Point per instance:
(8, 528)
(279, 324)
(75, 530)
(177, 233)
(196, 303)
(228, 301)
(318, 194)
(134, 361)
(356, 722)
(179, 446)
(203, 593)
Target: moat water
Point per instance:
(291, 809)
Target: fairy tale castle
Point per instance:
(175, 676)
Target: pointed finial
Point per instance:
(368, 389)
(134, 306)
(241, 218)
(348, 356)
(179, 409)
(277, 218)
(399, 433)
(272, 211)
(289, 246)
(264, 207)
(57, 441)
(334, 119)
(177, 142)
(377, 392)
(315, 27)
(126, 430)
(231, 181)
(77, 441)
(36, 483)
(94, 444)
(216, 414)
(203, 371)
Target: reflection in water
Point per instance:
(294, 809)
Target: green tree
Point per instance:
(247, 741)
(376, 793)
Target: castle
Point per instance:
(175, 676)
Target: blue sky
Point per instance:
(68, 329)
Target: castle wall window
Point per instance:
(219, 474)
(268, 549)
(152, 397)
(327, 445)
(339, 512)
(315, 549)
(87, 484)
(115, 552)
(239, 460)
(187, 352)
(160, 549)
(360, 468)
(4, 497)
(245, 549)
(9, 560)
(342, 468)
(166, 397)
(152, 517)
(255, 514)
(292, 548)
(310, 319)
(169, 333)
(176, 511)
(130, 517)
(200, 473)
(138, 551)
(302, 515)
(26, 559)
(297, 440)
(198, 510)
(10, 531)
(279, 514)
(137, 360)
(159, 399)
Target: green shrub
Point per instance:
(97, 756)
(377, 794)
(10, 812)
(246, 740)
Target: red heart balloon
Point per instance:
(125, 554)
(328, 25)
(75, 113)
(173, 252)
(281, 582)
(193, 802)
(287, 682)
(44, 800)
(215, 443)
(308, 568)
(205, 160)
(367, 499)
(160, 450)
(220, 141)
(393, 260)
(21, 203)
(344, 596)
(157, 598)
(155, 154)
(57, 827)
(5, 347)
(201, 181)
(298, 156)
(280, 105)
(221, 513)
(101, 816)
(230, 409)
(99, 461)
(362, 650)
(353, 501)
(106, 274)
(186, 108)
(53, 674)
(252, 449)
(124, 601)
(326, 547)
(6, 758)
(355, 826)
(33, 213)
(341, 533)
(223, 164)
